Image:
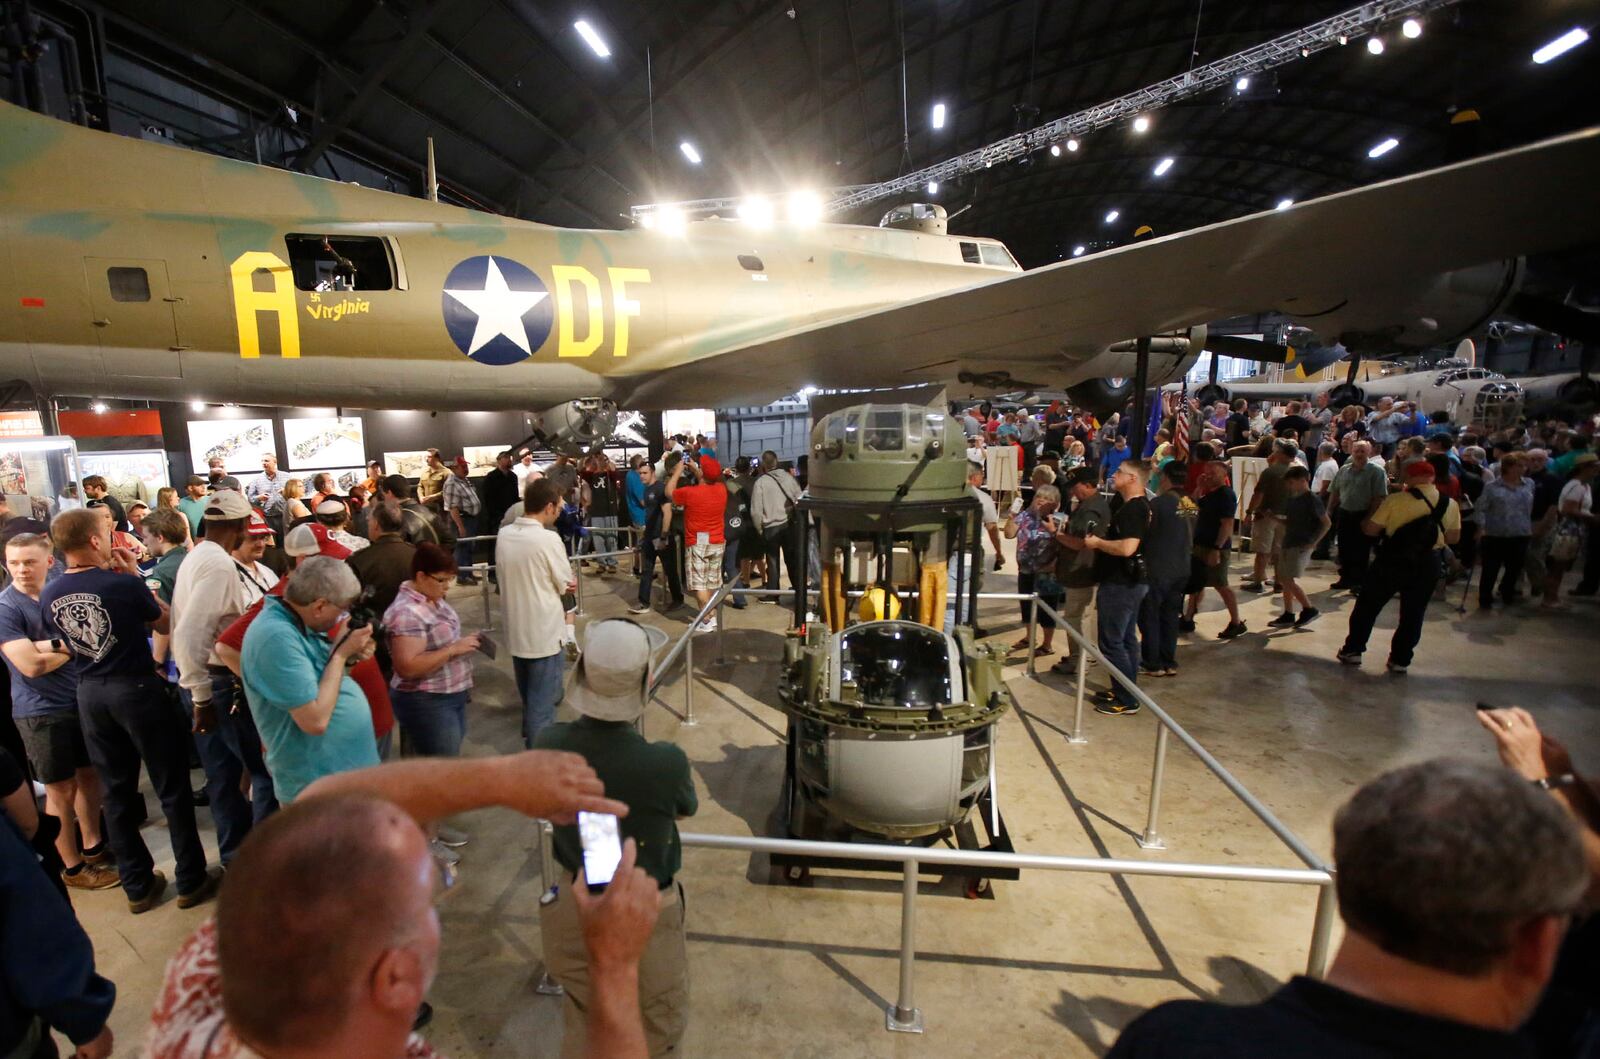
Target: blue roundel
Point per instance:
(496, 310)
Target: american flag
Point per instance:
(1180, 424)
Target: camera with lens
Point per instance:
(363, 614)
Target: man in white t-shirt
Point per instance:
(534, 574)
(1321, 483)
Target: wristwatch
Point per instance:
(1550, 783)
(56, 644)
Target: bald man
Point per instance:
(340, 967)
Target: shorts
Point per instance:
(1202, 575)
(1291, 562)
(705, 567)
(1266, 535)
(55, 745)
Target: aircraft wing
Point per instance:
(1288, 390)
(1047, 326)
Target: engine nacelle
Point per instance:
(1111, 387)
(1414, 318)
(577, 427)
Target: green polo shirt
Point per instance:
(164, 574)
(652, 779)
(193, 510)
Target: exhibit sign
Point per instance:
(131, 475)
(343, 477)
(480, 458)
(325, 441)
(23, 424)
(410, 464)
(241, 443)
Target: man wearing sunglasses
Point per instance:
(342, 968)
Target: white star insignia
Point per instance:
(499, 310)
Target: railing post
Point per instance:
(688, 683)
(722, 624)
(1322, 931)
(1151, 838)
(1077, 715)
(483, 589)
(547, 986)
(577, 591)
(902, 1016)
(1033, 629)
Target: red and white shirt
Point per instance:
(188, 1021)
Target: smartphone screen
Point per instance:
(602, 847)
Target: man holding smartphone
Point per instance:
(654, 781)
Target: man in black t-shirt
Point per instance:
(657, 541)
(1456, 883)
(1213, 546)
(1236, 429)
(103, 611)
(1120, 577)
(1293, 422)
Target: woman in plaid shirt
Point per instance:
(432, 676)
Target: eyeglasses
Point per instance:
(440, 579)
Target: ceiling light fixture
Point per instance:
(756, 212)
(1072, 145)
(1241, 84)
(1411, 28)
(1380, 149)
(938, 115)
(1077, 251)
(689, 152)
(933, 187)
(1375, 45)
(1111, 218)
(1055, 150)
(1561, 45)
(672, 221)
(1305, 53)
(1284, 204)
(1343, 39)
(1162, 167)
(1141, 123)
(804, 208)
(98, 406)
(197, 406)
(592, 39)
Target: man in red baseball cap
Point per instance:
(1414, 527)
(703, 507)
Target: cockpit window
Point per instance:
(970, 254)
(995, 254)
(897, 664)
(885, 430)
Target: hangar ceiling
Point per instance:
(774, 95)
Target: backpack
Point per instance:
(1408, 548)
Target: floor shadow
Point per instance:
(742, 783)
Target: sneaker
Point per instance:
(91, 877)
(709, 625)
(1115, 709)
(1349, 658)
(204, 892)
(1186, 625)
(1397, 670)
(1067, 667)
(1252, 586)
(443, 852)
(453, 837)
(1307, 616)
(639, 608)
(1235, 628)
(1283, 621)
(158, 886)
(100, 854)
(1169, 671)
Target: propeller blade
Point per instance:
(1247, 348)
(1558, 317)
(1355, 366)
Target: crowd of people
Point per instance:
(278, 638)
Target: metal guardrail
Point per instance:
(902, 1015)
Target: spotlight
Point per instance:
(1141, 124)
(938, 115)
(756, 212)
(1241, 84)
(1343, 39)
(1284, 204)
(1375, 45)
(1162, 167)
(933, 187)
(672, 220)
(1412, 28)
(1378, 150)
(197, 406)
(1077, 251)
(98, 406)
(1055, 150)
(689, 152)
(1111, 217)
(1072, 145)
(804, 208)
(1560, 46)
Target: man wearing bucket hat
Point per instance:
(1415, 526)
(653, 780)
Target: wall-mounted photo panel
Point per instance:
(240, 442)
(410, 464)
(480, 458)
(325, 441)
(130, 475)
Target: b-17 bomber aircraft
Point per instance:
(144, 270)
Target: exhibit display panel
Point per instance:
(131, 475)
(40, 476)
(241, 443)
(324, 441)
(410, 464)
(480, 458)
(343, 477)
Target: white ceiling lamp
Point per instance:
(1378, 150)
(1343, 39)
(1561, 45)
(1111, 217)
(592, 39)
(938, 115)
(1055, 150)
(98, 407)
(756, 212)
(672, 221)
(1141, 123)
(1072, 145)
(1162, 167)
(689, 152)
(1284, 204)
(1411, 28)
(197, 406)
(1241, 84)
(1077, 251)
(933, 187)
(1375, 45)
(804, 208)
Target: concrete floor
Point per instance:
(1054, 964)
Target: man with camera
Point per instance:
(296, 660)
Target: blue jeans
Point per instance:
(1118, 623)
(602, 541)
(229, 811)
(238, 730)
(435, 722)
(539, 682)
(1158, 623)
(469, 527)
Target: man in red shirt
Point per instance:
(312, 539)
(703, 508)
